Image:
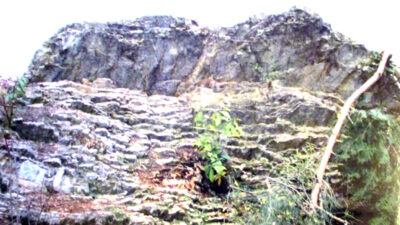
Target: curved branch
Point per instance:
(336, 130)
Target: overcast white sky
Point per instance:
(26, 24)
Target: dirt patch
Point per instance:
(186, 174)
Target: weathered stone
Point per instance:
(176, 213)
(138, 150)
(131, 55)
(27, 216)
(130, 158)
(164, 152)
(36, 131)
(53, 162)
(166, 162)
(58, 179)
(102, 132)
(128, 150)
(31, 172)
(84, 107)
(25, 149)
(103, 83)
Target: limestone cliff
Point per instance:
(107, 121)
(166, 55)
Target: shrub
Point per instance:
(286, 199)
(216, 130)
(369, 155)
(10, 92)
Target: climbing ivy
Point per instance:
(369, 157)
(216, 130)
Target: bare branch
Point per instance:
(339, 124)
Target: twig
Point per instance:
(6, 145)
(336, 130)
(242, 190)
(333, 216)
(7, 110)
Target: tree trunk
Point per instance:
(336, 130)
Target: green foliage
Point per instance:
(373, 63)
(286, 207)
(10, 93)
(286, 199)
(217, 129)
(369, 157)
(267, 77)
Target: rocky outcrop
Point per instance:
(152, 54)
(107, 121)
(114, 144)
(166, 55)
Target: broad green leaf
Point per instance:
(216, 117)
(219, 163)
(211, 127)
(199, 117)
(219, 169)
(225, 131)
(207, 147)
(239, 129)
(226, 115)
(207, 169)
(226, 156)
(212, 156)
(211, 175)
(216, 151)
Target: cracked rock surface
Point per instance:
(134, 152)
(167, 55)
(106, 127)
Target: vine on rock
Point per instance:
(369, 155)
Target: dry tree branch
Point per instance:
(336, 130)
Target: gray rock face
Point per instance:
(166, 55)
(119, 145)
(152, 54)
(128, 139)
(34, 130)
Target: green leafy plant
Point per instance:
(369, 157)
(216, 131)
(10, 92)
(371, 65)
(267, 77)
